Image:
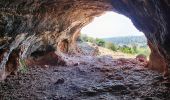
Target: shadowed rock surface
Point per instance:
(93, 78)
(57, 23)
(33, 29)
(86, 77)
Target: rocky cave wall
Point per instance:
(151, 17)
(38, 27)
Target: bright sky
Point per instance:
(111, 24)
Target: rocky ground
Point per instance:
(87, 78)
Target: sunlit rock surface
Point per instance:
(29, 26)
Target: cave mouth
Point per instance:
(116, 33)
(51, 26)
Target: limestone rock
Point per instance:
(58, 22)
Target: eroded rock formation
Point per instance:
(46, 26)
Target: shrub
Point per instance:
(85, 38)
(135, 49)
(126, 49)
(100, 42)
(23, 67)
(111, 46)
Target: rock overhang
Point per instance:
(50, 22)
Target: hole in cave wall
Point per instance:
(43, 50)
(63, 46)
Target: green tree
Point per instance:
(134, 47)
(111, 46)
(100, 42)
(126, 49)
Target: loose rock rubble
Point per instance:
(94, 78)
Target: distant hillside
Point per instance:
(128, 40)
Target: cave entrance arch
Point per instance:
(63, 18)
(117, 33)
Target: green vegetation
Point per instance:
(145, 51)
(111, 46)
(100, 42)
(140, 40)
(23, 67)
(135, 47)
(126, 49)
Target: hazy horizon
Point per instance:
(109, 25)
(117, 36)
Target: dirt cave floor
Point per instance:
(92, 78)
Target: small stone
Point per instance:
(166, 83)
(119, 78)
(59, 81)
(76, 64)
(46, 66)
(149, 98)
(118, 87)
(56, 70)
